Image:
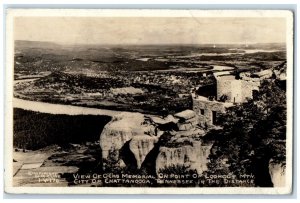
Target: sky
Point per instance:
(150, 30)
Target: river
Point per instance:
(197, 70)
(25, 80)
(44, 107)
(50, 108)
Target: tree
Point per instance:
(253, 134)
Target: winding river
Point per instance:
(51, 108)
(44, 107)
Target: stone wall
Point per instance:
(224, 87)
(237, 91)
(206, 119)
(247, 88)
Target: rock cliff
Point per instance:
(277, 173)
(191, 155)
(139, 134)
(140, 146)
(118, 131)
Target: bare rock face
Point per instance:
(277, 173)
(139, 134)
(140, 146)
(189, 153)
(185, 115)
(188, 120)
(118, 131)
(193, 133)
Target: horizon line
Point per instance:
(141, 44)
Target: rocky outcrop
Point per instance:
(131, 128)
(140, 146)
(162, 121)
(139, 134)
(187, 120)
(277, 173)
(118, 131)
(193, 133)
(192, 155)
(185, 115)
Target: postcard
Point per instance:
(148, 101)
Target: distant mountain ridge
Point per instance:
(49, 56)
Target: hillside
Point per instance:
(46, 56)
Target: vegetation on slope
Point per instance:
(34, 130)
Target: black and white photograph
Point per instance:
(149, 101)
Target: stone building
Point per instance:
(207, 109)
(235, 90)
(229, 90)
